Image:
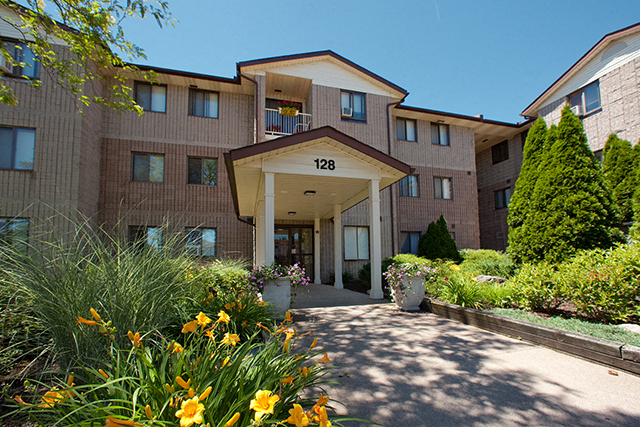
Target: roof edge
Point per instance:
(462, 116)
(189, 74)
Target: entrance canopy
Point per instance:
(315, 171)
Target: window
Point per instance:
(500, 152)
(14, 232)
(203, 171)
(443, 188)
(356, 243)
(439, 134)
(151, 97)
(409, 186)
(598, 155)
(587, 98)
(502, 197)
(203, 103)
(145, 237)
(148, 167)
(16, 148)
(201, 241)
(406, 129)
(353, 106)
(409, 242)
(21, 54)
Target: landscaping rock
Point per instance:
(491, 279)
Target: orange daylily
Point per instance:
(232, 420)
(231, 339)
(298, 416)
(322, 416)
(86, 322)
(182, 383)
(190, 326)
(325, 359)
(135, 339)
(203, 319)
(223, 317)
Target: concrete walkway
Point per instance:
(417, 369)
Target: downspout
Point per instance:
(393, 233)
(255, 101)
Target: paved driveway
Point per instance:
(417, 369)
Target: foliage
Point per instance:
(607, 332)
(487, 262)
(136, 288)
(519, 206)
(495, 294)
(397, 272)
(571, 207)
(437, 243)
(461, 290)
(203, 381)
(364, 274)
(264, 274)
(618, 169)
(534, 287)
(224, 275)
(634, 232)
(93, 32)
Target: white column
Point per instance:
(260, 235)
(337, 246)
(269, 217)
(374, 240)
(316, 251)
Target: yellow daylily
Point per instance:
(297, 416)
(147, 412)
(314, 343)
(135, 339)
(86, 322)
(287, 380)
(177, 348)
(287, 317)
(223, 317)
(203, 319)
(230, 339)
(190, 327)
(205, 394)
(115, 422)
(190, 412)
(263, 403)
(232, 420)
(182, 383)
(325, 359)
(95, 315)
(50, 398)
(322, 416)
(103, 373)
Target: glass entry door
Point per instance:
(294, 244)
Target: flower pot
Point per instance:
(411, 296)
(288, 111)
(278, 293)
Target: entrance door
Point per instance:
(294, 244)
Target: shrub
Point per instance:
(364, 274)
(618, 169)
(461, 290)
(152, 383)
(437, 243)
(487, 262)
(495, 294)
(534, 287)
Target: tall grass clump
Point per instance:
(487, 262)
(137, 288)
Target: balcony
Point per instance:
(277, 125)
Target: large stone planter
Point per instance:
(278, 293)
(411, 296)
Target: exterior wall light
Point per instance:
(309, 193)
(292, 213)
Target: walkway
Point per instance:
(417, 369)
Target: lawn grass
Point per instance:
(608, 332)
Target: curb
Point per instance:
(611, 353)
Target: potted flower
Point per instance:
(274, 128)
(289, 108)
(406, 283)
(275, 282)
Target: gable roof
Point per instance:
(531, 109)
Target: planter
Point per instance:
(288, 111)
(411, 296)
(278, 293)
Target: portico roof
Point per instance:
(330, 167)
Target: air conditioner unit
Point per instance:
(577, 110)
(347, 112)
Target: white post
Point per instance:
(269, 217)
(260, 235)
(316, 251)
(375, 241)
(337, 246)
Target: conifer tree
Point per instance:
(618, 169)
(437, 243)
(573, 209)
(519, 209)
(634, 232)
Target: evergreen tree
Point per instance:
(519, 209)
(437, 243)
(634, 232)
(618, 169)
(572, 208)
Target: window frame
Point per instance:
(357, 228)
(136, 91)
(198, 246)
(16, 50)
(145, 242)
(404, 190)
(401, 124)
(583, 98)
(501, 196)
(351, 95)
(433, 125)
(409, 235)
(192, 92)
(441, 186)
(202, 159)
(6, 233)
(133, 167)
(500, 152)
(14, 147)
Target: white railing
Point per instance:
(279, 125)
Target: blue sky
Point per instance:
(462, 56)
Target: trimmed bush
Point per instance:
(437, 243)
(487, 262)
(534, 287)
(618, 169)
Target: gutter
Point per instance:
(255, 101)
(393, 232)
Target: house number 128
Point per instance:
(325, 164)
